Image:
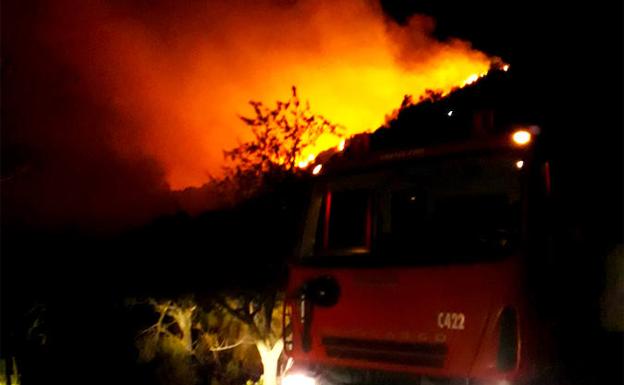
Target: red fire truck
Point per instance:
(417, 266)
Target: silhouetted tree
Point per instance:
(280, 135)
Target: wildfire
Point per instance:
(471, 79)
(177, 95)
(329, 141)
(305, 163)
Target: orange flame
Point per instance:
(328, 141)
(178, 80)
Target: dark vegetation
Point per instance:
(65, 303)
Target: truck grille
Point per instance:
(406, 353)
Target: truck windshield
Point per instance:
(431, 211)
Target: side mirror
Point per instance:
(322, 291)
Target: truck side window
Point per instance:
(345, 222)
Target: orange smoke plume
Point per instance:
(178, 78)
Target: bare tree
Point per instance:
(261, 314)
(170, 339)
(189, 335)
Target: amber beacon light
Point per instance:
(521, 137)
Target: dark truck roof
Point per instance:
(359, 156)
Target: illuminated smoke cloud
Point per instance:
(108, 106)
(180, 74)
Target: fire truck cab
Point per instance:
(416, 266)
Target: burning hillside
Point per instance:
(179, 79)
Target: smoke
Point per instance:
(155, 89)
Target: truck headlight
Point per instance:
(298, 379)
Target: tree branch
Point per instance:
(243, 317)
(231, 346)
